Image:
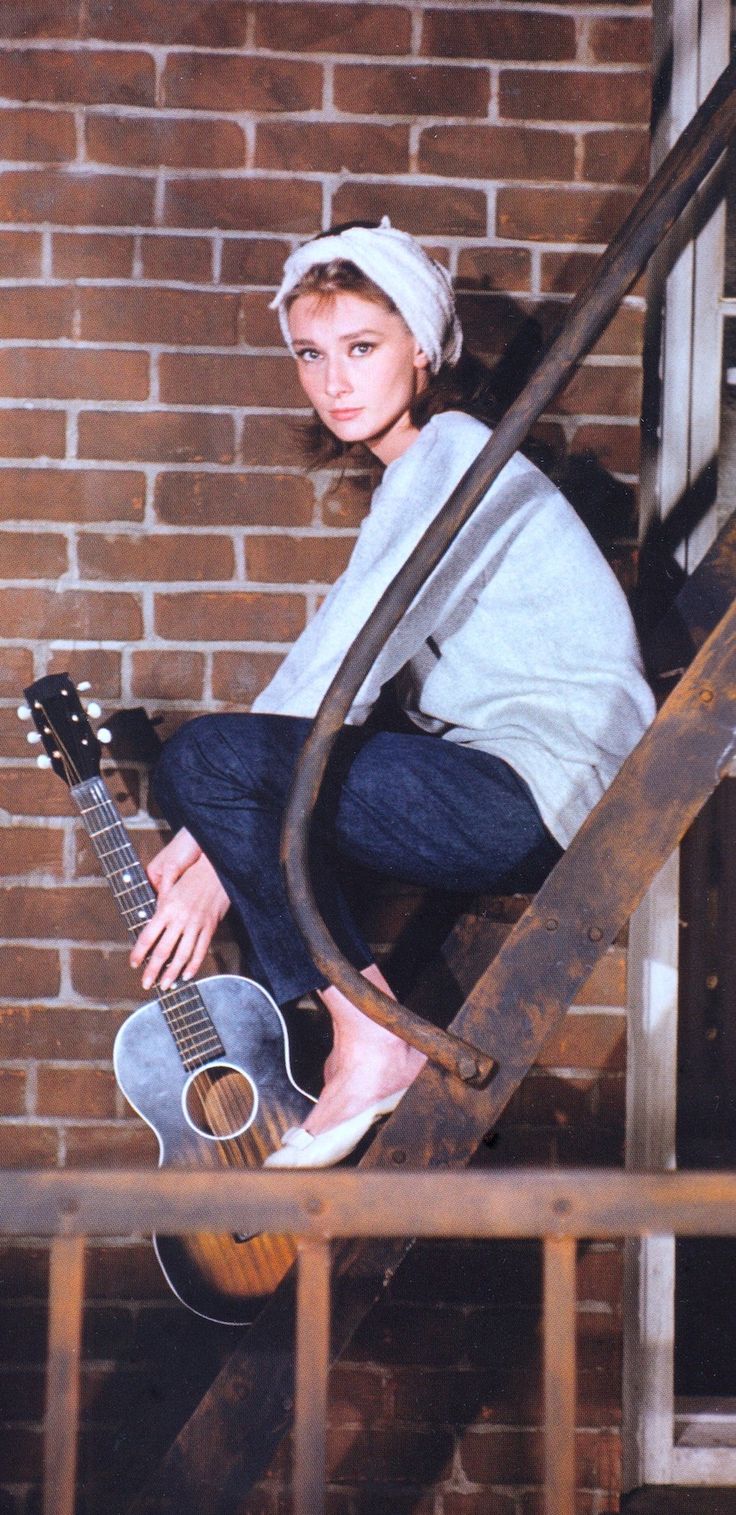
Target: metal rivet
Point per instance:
(706, 696)
(595, 934)
(552, 924)
(313, 1205)
(398, 1156)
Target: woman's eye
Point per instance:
(307, 354)
(361, 348)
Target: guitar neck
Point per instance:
(182, 1005)
(102, 821)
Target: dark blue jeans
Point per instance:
(417, 808)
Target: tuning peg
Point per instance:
(33, 737)
(104, 735)
(23, 713)
(85, 684)
(94, 709)
(43, 761)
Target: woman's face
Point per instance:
(360, 367)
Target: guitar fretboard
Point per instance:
(182, 1005)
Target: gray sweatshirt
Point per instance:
(520, 643)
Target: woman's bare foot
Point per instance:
(366, 1063)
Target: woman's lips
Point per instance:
(345, 415)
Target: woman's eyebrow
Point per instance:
(346, 336)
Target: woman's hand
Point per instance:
(191, 903)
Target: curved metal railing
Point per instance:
(663, 200)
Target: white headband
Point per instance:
(420, 289)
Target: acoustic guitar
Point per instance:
(206, 1064)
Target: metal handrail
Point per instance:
(559, 1207)
(665, 197)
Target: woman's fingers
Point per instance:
(173, 860)
(174, 942)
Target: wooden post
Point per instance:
(312, 1370)
(61, 1426)
(560, 1398)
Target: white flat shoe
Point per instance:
(299, 1149)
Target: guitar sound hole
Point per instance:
(220, 1101)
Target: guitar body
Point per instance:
(229, 1113)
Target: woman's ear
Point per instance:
(420, 359)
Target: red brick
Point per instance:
(230, 617)
(32, 555)
(100, 667)
(423, 211)
(616, 157)
(208, 81)
(79, 913)
(481, 1502)
(104, 255)
(587, 1041)
(616, 447)
(104, 975)
(40, 18)
(235, 204)
(224, 379)
(157, 436)
(182, 258)
(76, 1092)
(234, 499)
(301, 560)
(30, 972)
(20, 254)
(75, 198)
(29, 792)
(71, 494)
(239, 676)
(624, 335)
(491, 152)
(305, 146)
(84, 76)
(273, 440)
(177, 316)
(140, 141)
(620, 39)
(601, 391)
(129, 1272)
(574, 95)
(505, 268)
(566, 272)
(418, 89)
(130, 1145)
(353, 28)
(27, 1147)
(44, 613)
(133, 558)
(498, 35)
(40, 136)
(256, 325)
(29, 849)
(32, 434)
(253, 260)
(28, 311)
(220, 24)
(399, 1455)
(15, 668)
(561, 215)
(12, 1091)
(55, 1031)
(167, 675)
(73, 373)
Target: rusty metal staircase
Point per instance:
(510, 1007)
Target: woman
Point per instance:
(516, 667)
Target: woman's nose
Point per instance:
(336, 377)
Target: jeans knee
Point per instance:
(180, 761)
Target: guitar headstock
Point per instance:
(71, 746)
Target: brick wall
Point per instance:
(157, 534)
